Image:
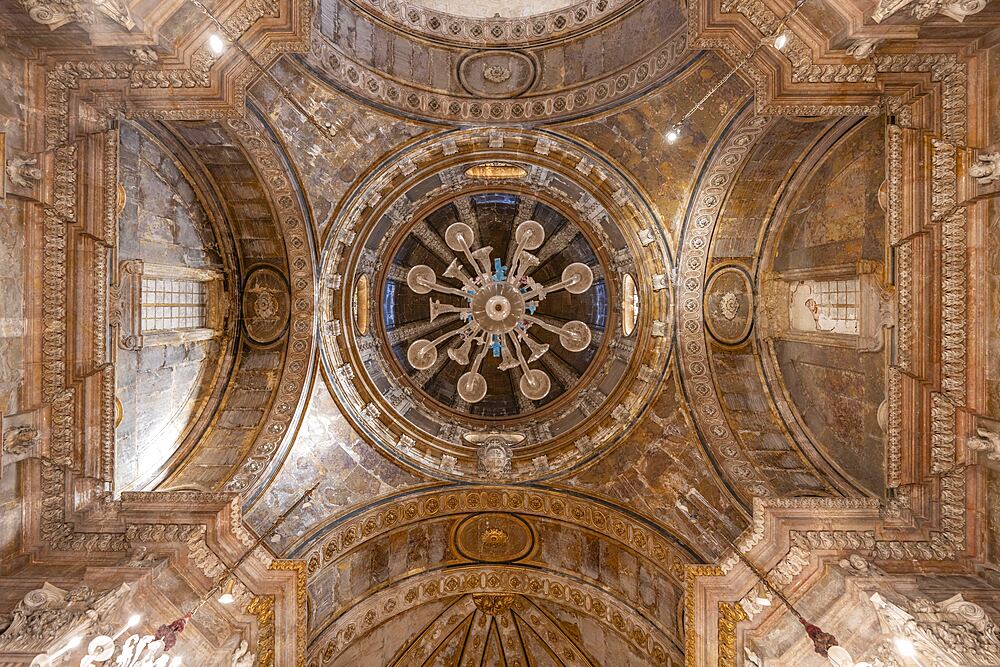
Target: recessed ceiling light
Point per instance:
(217, 44)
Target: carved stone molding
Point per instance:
(416, 18)
(635, 629)
(357, 78)
(692, 337)
(344, 536)
(954, 632)
(49, 616)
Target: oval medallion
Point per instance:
(497, 74)
(265, 305)
(494, 537)
(729, 305)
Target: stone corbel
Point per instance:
(985, 441)
(22, 173)
(21, 434)
(878, 308)
(862, 48)
(125, 307)
(986, 168)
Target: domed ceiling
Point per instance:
(499, 302)
(545, 302)
(491, 307)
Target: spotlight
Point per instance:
(74, 642)
(781, 41)
(217, 44)
(227, 596)
(133, 620)
(673, 135)
(905, 647)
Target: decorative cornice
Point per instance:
(614, 525)
(364, 81)
(414, 18)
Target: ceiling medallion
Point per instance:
(500, 308)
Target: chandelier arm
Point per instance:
(448, 334)
(543, 324)
(545, 290)
(477, 362)
(445, 289)
(518, 251)
(520, 355)
(455, 270)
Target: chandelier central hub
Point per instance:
(497, 309)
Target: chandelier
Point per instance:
(498, 308)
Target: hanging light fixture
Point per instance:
(500, 308)
(227, 596)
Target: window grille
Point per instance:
(171, 304)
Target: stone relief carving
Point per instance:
(986, 168)
(49, 615)
(57, 13)
(496, 73)
(19, 440)
(23, 171)
(955, 9)
(494, 458)
(986, 441)
(243, 656)
(951, 633)
(729, 304)
(925, 9)
(144, 55)
(860, 49)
